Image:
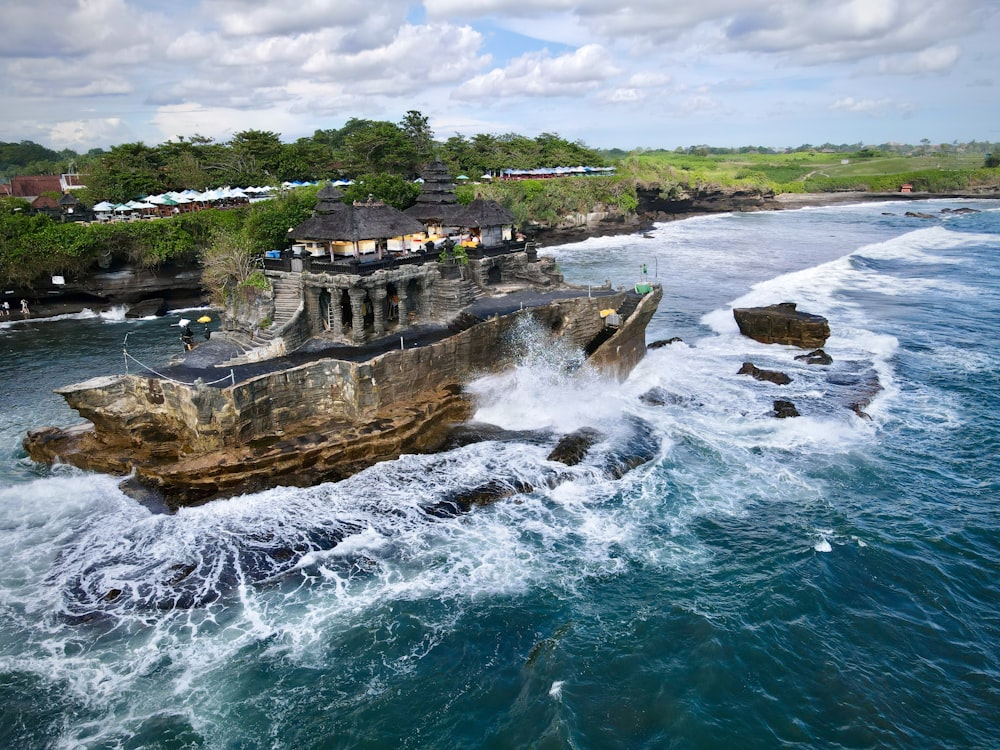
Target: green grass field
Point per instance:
(811, 171)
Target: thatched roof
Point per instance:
(371, 220)
(483, 213)
(328, 199)
(437, 200)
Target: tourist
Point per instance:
(187, 335)
(24, 308)
(5, 308)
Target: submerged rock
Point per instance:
(772, 376)
(665, 342)
(573, 447)
(816, 357)
(785, 409)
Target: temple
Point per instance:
(359, 271)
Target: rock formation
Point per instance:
(816, 357)
(783, 324)
(784, 409)
(771, 376)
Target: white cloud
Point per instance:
(289, 17)
(872, 107)
(541, 74)
(933, 60)
(295, 65)
(82, 135)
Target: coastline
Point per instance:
(643, 221)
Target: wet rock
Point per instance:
(816, 357)
(963, 210)
(783, 324)
(919, 215)
(147, 308)
(471, 433)
(665, 342)
(572, 448)
(492, 491)
(771, 376)
(785, 409)
(660, 397)
(641, 446)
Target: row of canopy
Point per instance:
(178, 198)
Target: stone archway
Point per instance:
(346, 315)
(324, 308)
(411, 302)
(494, 276)
(392, 306)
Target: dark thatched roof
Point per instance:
(328, 199)
(437, 201)
(372, 220)
(483, 213)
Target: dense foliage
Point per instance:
(383, 158)
(548, 201)
(32, 247)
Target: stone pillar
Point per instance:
(424, 301)
(404, 316)
(336, 320)
(378, 295)
(357, 295)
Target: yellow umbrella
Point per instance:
(204, 319)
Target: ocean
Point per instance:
(830, 580)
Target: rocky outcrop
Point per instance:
(325, 419)
(817, 357)
(771, 376)
(784, 409)
(571, 449)
(167, 287)
(665, 342)
(655, 204)
(783, 324)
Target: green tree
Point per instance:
(388, 188)
(379, 147)
(417, 129)
(124, 173)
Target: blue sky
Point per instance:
(646, 74)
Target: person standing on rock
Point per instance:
(24, 308)
(5, 308)
(187, 335)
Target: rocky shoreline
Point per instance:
(653, 209)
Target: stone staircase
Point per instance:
(625, 309)
(283, 335)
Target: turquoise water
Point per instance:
(826, 581)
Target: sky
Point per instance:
(84, 74)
